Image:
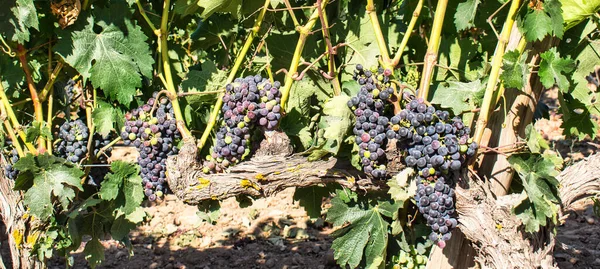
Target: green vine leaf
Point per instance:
(311, 199)
(539, 198)
(18, 19)
(535, 142)
(110, 59)
(104, 117)
(94, 252)
(208, 79)
(402, 188)
(53, 178)
(465, 14)
(552, 67)
(538, 23)
(336, 121)
(37, 129)
(207, 8)
(576, 11)
(458, 96)
(366, 234)
(514, 69)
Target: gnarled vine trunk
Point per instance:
(17, 225)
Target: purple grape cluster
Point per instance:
(248, 102)
(9, 171)
(371, 125)
(436, 146)
(73, 135)
(154, 134)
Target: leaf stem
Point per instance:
(432, 49)
(7, 109)
(143, 12)
(304, 32)
(371, 11)
(407, 34)
(331, 69)
(37, 105)
(162, 48)
(238, 62)
(488, 98)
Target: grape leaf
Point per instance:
(366, 234)
(577, 118)
(94, 252)
(552, 67)
(401, 187)
(110, 59)
(465, 14)
(514, 70)
(18, 19)
(52, 178)
(336, 121)
(207, 8)
(311, 199)
(457, 96)
(538, 175)
(208, 79)
(538, 23)
(575, 11)
(37, 129)
(104, 117)
(535, 141)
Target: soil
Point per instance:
(276, 233)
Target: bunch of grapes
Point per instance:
(73, 135)
(437, 146)
(410, 260)
(9, 171)
(371, 125)
(154, 133)
(97, 173)
(248, 102)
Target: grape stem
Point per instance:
(331, 69)
(49, 117)
(11, 133)
(162, 34)
(143, 13)
(8, 111)
(238, 62)
(304, 31)
(407, 34)
(383, 50)
(46, 91)
(432, 49)
(112, 143)
(37, 105)
(490, 90)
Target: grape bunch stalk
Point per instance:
(152, 129)
(437, 147)
(371, 124)
(248, 103)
